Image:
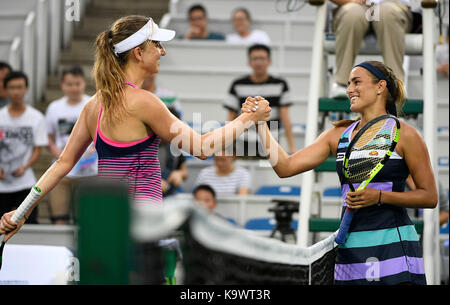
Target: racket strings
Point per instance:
(370, 149)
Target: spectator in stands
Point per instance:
(168, 97)
(353, 19)
(205, 195)
(260, 82)
(442, 57)
(244, 34)
(5, 69)
(224, 177)
(61, 116)
(198, 25)
(22, 134)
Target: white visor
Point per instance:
(150, 31)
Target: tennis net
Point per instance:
(215, 252)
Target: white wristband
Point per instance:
(32, 197)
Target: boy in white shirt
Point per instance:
(61, 116)
(22, 134)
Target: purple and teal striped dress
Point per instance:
(382, 246)
(135, 163)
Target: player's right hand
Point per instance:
(261, 109)
(8, 227)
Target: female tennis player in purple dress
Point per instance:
(126, 122)
(382, 246)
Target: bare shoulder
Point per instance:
(333, 133)
(408, 132)
(410, 138)
(331, 137)
(91, 110)
(144, 99)
(92, 106)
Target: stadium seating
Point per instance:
(31, 36)
(279, 190)
(332, 192)
(224, 8)
(182, 53)
(279, 29)
(264, 224)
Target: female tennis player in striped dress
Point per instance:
(127, 122)
(382, 246)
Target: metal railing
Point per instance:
(37, 49)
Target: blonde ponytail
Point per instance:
(109, 69)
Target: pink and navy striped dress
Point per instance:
(135, 163)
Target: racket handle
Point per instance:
(345, 225)
(34, 194)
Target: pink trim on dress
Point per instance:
(131, 84)
(112, 142)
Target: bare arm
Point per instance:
(76, 145)
(78, 141)
(231, 115)
(303, 160)
(154, 114)
(417, 159)
(286, 121)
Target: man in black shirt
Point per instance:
(273, 89)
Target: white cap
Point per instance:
(150, 31)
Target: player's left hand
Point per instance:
(251, 104)
(363, 198)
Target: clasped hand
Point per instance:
(363, 198)
(259, 107)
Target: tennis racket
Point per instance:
(20, 213)
(366, 155)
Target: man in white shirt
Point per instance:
(60, 117)
(352, 20)
(224, 177)
(22, 134)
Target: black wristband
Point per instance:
(379, 199)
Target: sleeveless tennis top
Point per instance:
(382, 246)
(134, 163)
